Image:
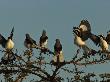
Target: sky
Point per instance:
(57, 17)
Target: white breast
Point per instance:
(61, 57)
(44, 44)
(103, 44)
(83, 27)
(78, 41)
(9, 44)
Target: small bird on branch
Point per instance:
(58, 58)
(29, 42)
(8, 44)
(43, 42)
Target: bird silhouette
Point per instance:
(29, 42)
(43, 40)
(8, 44)
(58, 52)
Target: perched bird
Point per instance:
(102, 41)
(108, 37)
(58, 52)
(80, 43)
(8, 44)
(84, 29)
(83, 33)
(43, 40)
(29, 42)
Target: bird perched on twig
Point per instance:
(58, 52)
(29, 42)
(43, 42)
(43, 39)
(8, 44)
(84, 30)
(102, 41)
(81, 44)
(82, 33)
(108, 37)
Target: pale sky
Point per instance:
(57, 17)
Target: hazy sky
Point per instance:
(56, 16)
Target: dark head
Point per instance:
(101, 36)
(108, 32)
(44, 33)
(9, 38)
(76, 32)
(85, 22)
(57, 41)
(75, 28)
(27, 35)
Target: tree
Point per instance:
(36, 64)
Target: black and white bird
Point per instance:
(58, 52)
(80, 43)
(84, 30)
(29, 42)
(43, 40)
(102, 41)
(8, 44)
(82, 33)
(108, 37)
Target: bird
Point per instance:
(8, 44)
(108, 37)
(29, 42)
(102, 41)
(84, 29)
(43, 40)
(58, 57)
(82, 34)
(80, 43)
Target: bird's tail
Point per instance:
(86, 49)
(95, 39)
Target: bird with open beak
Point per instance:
(82, 33)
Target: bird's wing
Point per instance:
(2, 41)
(95, 39)
(84, 30)
(85, 26)
(108, 38)
(12, 31)
(32, 41)
(85, 35)
(43, 39)
(57, 48)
